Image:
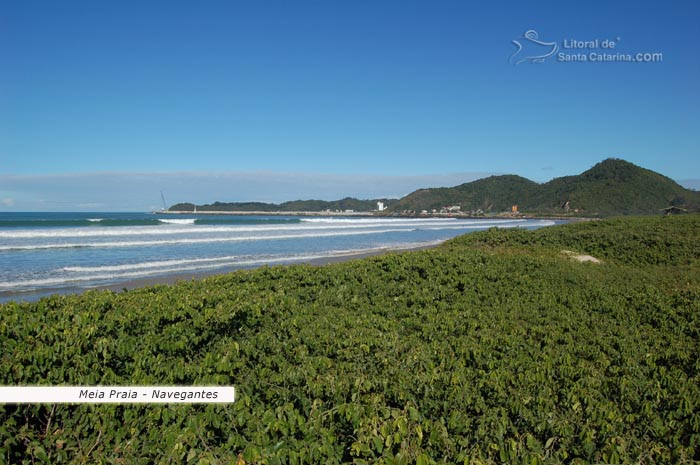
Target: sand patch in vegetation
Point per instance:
(580, 257)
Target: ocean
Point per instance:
(46, 253)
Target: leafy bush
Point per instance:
(493, 348)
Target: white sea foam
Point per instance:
(177, 221)
(77, 275)
(216, 261)
(95, 220)
(118, 231)
(236, 234)
(189, 240)
(148, 265)
(373, 220)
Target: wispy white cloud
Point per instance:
(124, 191)
(7, 202)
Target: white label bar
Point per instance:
(117, 394)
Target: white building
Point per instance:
(380, 206)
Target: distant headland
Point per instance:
(611, 187)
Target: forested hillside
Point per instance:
(347, 203)
(612, 187)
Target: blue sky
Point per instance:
(104, 104)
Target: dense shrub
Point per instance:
(492, 348)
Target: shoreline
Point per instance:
(322, 261)
(263, 213)
(174, 278)
(375, 215)
(139, 279)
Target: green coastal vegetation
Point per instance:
(612, 187)
(495, 347)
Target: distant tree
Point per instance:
(678, 201)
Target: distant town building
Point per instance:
(514, 209)
(450, 209)
(380, 206)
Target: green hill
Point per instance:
(494, 193)
(612, 187)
